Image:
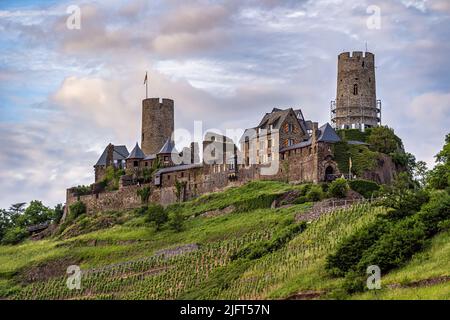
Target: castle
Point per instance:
(282, 146)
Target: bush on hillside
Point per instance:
(176, 221)
(315, 193)
(396, 246)
(434, 212)
(14, 235)
(76, 209)
(350, 251)
(338, 188)
(365, 188)
(157, 215)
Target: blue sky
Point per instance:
(65, 94)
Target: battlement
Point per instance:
(161, 101)
(356, 55)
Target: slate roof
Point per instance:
(178, 168)
(150, 157)
(136, 153)
(326, 134)
(119, 153)
(168, 147)
(274, 119)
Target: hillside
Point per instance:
(233, 245)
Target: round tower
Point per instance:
(157, 124)
(356, 104)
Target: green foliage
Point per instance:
(176, 221)
(392, 239)
(35, 213)
(259, 202)
(82, 190)
(58, 212)
(366, 188)
(435, 211)
(338, 188)
(180, 187)
(351, 249)
(383, 139)
(157, 215)
(14, 235)
(439, 177)
(353, 134)
(112, 177)
(76, 209)
(315, 193)
(144, 193)
(363, 159)
(396, 246)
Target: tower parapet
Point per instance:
(356, 105)
(157, 124)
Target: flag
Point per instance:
(146, 78)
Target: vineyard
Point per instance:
(169, 277)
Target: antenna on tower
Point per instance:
(366, 46)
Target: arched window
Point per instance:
(355, 90)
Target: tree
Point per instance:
(58, 212)
(383, 139)
(35, 213)
(157, 215)
(439, 176)
(5, 222)
(420, 172)
(180, 187)
(176, 221)
(338, 188)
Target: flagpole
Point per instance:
(146, 85)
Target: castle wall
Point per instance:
(157, 124)
(307, 164)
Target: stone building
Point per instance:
(112, 156)
(356, 105)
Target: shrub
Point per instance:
(176, 221)
(301, 200)
(315, 193)
(350, 250)
(434, 212)
(260, 202)
(141, 211)
(396, 246)
(76, 209)
(304, 189)
(157, 215)
(14, 235)
(144, 193)
(365, 188)
(338, 188)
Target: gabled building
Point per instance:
(114, 156)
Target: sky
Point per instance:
(65, 93)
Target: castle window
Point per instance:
(355, 90)
(166, 158)
(136, 164)
(363, 64)
(290, 142)
(269, 143)
(142, 136)
(146, 164)
(290, 127)
(182, 174)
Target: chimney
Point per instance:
(109, 155)
(315, 133)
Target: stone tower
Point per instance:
(157, 124)
(356, 105)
